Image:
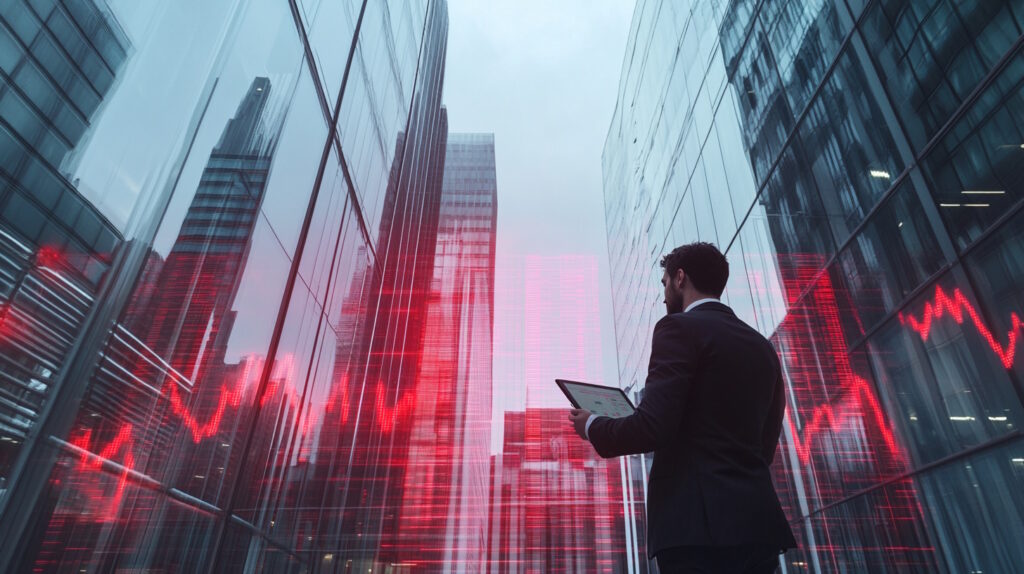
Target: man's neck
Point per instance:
(699, 300)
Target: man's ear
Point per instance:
(679, 278)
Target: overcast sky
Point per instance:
(543, 77)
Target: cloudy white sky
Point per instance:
(543, 76)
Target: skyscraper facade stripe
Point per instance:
(858, 162)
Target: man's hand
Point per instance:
(579, 417)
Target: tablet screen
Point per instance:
(604, 401)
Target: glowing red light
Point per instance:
(857, 399)
(825, 418)
(955, 305)
(122, 442)
(48, 256)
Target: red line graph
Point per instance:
(857, 400)
(337, 403)
(857, 397)
(955, 306)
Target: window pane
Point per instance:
(943, 385)
(766, 116)
(893, 254)
(805, 37)
(791, 211)
(976, 168)
(997, 269)
(931, 54)
(976, 512)
(882, 531)
(849, 146)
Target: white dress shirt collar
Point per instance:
(701, 302)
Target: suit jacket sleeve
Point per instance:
(773, 424)
(656, 421)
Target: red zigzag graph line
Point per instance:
(859, 395)
(955, 306)
(824, 417)
(337, 403)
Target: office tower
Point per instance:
(189, 319)
(443, 522)
(56, 246)
(556, 506)
(393, 346)
(858, 163)
(238, 380)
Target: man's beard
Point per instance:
(674, 306)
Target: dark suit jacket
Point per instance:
(712, 414)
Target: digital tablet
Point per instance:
(598, 399)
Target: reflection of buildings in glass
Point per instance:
(785, 136)
(555, 505)
(178, 322)
(149, 476)
(56, 247)
(189, 322)
(443, 523)
(373, 446)
(162, 379)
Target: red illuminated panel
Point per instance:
(556, 506)
(845, 441)
(859, 403)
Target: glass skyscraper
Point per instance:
(225, 236)
(56, 247)
(444, 513)
(860, 164)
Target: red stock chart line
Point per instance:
(857, 400)
(956, 305)
(126, 441)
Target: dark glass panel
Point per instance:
(976, 512)
(975, 169)
(942, 382)
(796, 222)
(890, 257)
(849, 146)
(997, 268)
(932, 53)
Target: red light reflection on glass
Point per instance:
(89, 461)
(857, 399)
(128, 439)
(955, 305)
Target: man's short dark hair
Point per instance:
(703, 263)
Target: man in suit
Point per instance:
(711, 413)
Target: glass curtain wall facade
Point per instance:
(444, 512)
(860, 164)
(218, 227)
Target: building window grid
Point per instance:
(203, 507)
(927, 283)
(906, 302)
